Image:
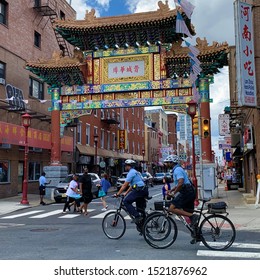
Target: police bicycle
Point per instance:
(114, 224)
(213, 229)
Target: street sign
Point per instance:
(223, 124)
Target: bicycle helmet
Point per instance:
(130, 162)
(172, 158)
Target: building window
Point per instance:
(34, 171)
(4, 171)
(113, 141)
(37, 39)
(62, 15)
(5, 146)
(87, 134)
(79, 125)
(108, 140)
(2, 70)
(102, 140)
(3, 12)
(36, 89)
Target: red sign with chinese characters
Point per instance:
(15, 135)
(121, 139)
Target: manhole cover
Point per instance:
(43, 229)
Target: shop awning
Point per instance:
(90, 151)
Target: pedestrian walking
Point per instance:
(72, 194)
(105, 185)
(85, 185)
(42, 185)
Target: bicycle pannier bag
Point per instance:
(158, 205)
(218, 207)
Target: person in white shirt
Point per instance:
(71, 193)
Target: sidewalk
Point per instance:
(244, 216)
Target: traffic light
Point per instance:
(205, 128)
(195, 125)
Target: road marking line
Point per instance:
(228, 254)
(69, 216)
(51, 213)
(237, 245)
(6, 225)
(22, 215)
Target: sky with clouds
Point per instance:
(212, 19)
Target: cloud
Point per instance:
(80, 7)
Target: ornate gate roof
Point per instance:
(95, 33)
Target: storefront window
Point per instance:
(34, 171)
(4, 171)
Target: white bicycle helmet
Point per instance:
(172, 158)
(130, 162)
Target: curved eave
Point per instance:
(211, 61)
(88, 36)
(91, 21)
(59, 75)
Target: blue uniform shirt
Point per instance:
(134, 178)
(179, 173)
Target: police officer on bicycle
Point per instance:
(183, 192)
(137, 190)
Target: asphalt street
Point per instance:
(43, 232)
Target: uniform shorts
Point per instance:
(42, 191)
(185, 198)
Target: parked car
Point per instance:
(122, 177)
(148, 179)
(158, 178)
(60, 190)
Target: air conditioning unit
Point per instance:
(2, 81)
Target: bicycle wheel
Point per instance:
(160, 231)
(114, 225)
(217, 232)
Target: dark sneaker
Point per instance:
(195, 240)
(137, 220)
(194, 220)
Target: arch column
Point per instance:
(55, 127)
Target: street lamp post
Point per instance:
(96, 142)
(192, 106)
(26, 122)
(143, 153)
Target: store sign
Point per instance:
(223, 124)
(248, 138)
(122, 137)
(15, 135)
(245, 54)
(14, 96)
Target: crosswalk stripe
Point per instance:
(22, 215)
(238, 245)
(228, 254)
(103, 214)
(71, 216)
(44, 215)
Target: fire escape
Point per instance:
(49, 8)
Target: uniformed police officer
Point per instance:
(136, 190)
